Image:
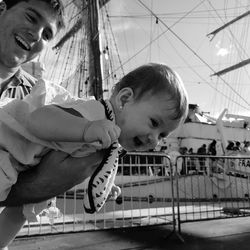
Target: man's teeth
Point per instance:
(25, 44)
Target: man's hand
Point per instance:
(56, 173)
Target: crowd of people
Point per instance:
(237, 146)
(196, 164)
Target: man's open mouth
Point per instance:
(22, 43)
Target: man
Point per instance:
(26, 27)
(25, 30)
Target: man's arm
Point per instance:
(56, 173)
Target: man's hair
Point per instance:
(56, 6)
(154, 78)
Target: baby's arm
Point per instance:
(53, 123)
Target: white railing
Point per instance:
(198, 188)
(146, 199)
(212, 187)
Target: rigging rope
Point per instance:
(186, 45)
(156, 38)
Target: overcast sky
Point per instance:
(177, 36)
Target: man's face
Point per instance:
(25, 30)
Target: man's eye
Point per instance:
(31, 18)
(154, 123)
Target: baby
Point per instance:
(146, 105)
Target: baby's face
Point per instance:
(144, 123)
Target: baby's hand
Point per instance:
(104, 131)
(114, 193)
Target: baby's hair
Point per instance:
(56, 6)
(154, 78)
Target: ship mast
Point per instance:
(90, 21)
(93, 44)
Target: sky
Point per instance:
(176, 33)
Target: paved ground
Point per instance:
(223, 234)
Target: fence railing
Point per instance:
(144, 179)
(211, 187)
(155, 192)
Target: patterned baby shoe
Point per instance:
(102, 180)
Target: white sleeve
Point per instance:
(44, 93)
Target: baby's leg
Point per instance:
(11, 222)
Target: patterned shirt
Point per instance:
(18, 86)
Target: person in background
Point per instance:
(237, 146)
(191, 161)
(212, 151)
(164, 149)
(191, 151)
(212, 148)
(246, 147)
(230, 146)
(202, 151)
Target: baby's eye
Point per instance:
(154, 123)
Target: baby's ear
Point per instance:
(124, 96)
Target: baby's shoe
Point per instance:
(101, 182)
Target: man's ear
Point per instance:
(2, 7)
(124, 96)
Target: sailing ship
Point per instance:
(86, 61)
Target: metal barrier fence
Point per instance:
(210, 187)
(198, 188)
(146, 181)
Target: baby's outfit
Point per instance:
(20, 150)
